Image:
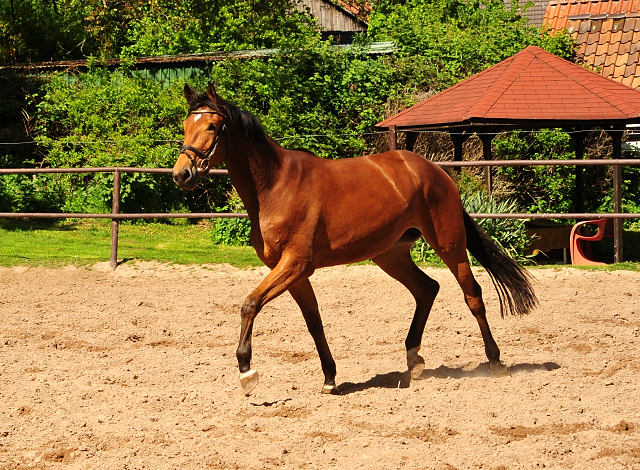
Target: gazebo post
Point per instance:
(458, 140)
(411, 140)
(487, 155)
(618, 224)
(393, 137)
(578, 144)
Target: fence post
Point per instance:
(115, 209)
(618, 224)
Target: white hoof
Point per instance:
(330, 390)
(415, 362)
(248, 381)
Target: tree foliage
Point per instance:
(40, 30)
(449, 40)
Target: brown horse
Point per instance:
(307, 213)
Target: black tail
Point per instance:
(512, 282)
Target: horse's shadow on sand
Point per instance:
(403, 379)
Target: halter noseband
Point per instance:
(205, 157)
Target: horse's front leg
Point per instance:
(303, 294)
(288, 271)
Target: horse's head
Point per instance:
(202, 130)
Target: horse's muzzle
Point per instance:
(185, 178)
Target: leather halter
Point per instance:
(205, 157)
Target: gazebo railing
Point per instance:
(116, 215)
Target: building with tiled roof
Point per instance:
(607, 33)
(536, 12)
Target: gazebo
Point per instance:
(531, 90)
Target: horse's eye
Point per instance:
(212, 127)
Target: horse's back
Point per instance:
(395, 172)
(356, 208)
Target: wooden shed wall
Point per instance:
(331, 18)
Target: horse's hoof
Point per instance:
(248, 381)
(498, 369)
(330, 389)
(416, 370)
(415, 363)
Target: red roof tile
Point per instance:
(532, 85)
(627, 36)
(607, 70)
(622, 59)
(590, 52)
(629, 25)
(616, 21)
(601, 50)
(598, 60)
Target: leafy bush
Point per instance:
(540, 188)
(106, 119)
(450, 40)
(30, 193)
(552, 189)
(511, 234)
(232, 231)
(37, 30)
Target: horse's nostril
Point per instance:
(186, 175)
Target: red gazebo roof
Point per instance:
(531, 89)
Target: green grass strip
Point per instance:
(83, 243)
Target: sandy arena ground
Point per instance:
(136, 369)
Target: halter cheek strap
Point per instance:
(204, 157)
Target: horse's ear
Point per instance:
(190, 95)
(211, 93)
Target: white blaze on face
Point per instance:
(196, 117)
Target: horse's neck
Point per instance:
(253, 168)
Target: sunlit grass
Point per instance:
(84, 242)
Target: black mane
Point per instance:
(246, 121)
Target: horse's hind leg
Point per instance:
(397, 263)
(303, 294)
(458, 263)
